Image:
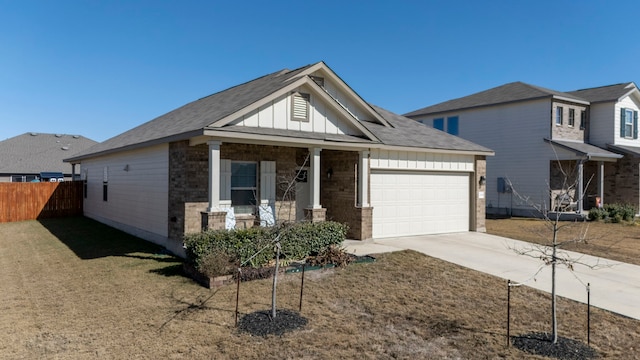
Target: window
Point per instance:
(583, 119)
(628, 123)
(452, 125)
(243, 187)
(572, 117)
(300, 106)
(24, 178)
(438, 124)
(559, 115)
(105, 183)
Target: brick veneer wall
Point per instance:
(622, 181)
(188, 181)
(339, 193)
(480, 208)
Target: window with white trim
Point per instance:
(572, 117)
(244, 181)
(628, 123)
(300, 106)
(583, 119)
(559, 110)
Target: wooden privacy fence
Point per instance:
(30, 201)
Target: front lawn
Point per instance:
(76, 289)
(620, 241)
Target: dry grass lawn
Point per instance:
(619, 242)
(76, 289)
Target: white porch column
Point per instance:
(363, 179)
(314, 201)
(580, 189)
(214, 176)
(601, 182)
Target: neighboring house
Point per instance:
(538, 134)
(228, 159)
(613, 125)
(36, 156)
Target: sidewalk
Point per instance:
(615, 286)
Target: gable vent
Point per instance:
(318, 80)
(300, 106)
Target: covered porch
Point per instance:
(218, 185)
(577, 176)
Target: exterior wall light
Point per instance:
(483, 180)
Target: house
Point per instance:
(36, 156)
(231, 158)
(546, 139)
(613, 125)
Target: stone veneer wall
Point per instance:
(565, 131)
(480, 208)
(339, 193)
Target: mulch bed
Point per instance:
(260, 323)
(540, 344)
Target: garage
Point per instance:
(419, 202)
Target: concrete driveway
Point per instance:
(615, 286)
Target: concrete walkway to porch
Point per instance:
(615, 286)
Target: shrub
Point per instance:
(596, 214)
(207, 250)
(613, 212)
(217, 263)
(333, 254)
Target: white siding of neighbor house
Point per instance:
(277, 115)
(626, 103)
(405, 160)
(602, 129)
(137, 199)
(516, 133)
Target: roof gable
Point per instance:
(507, 93)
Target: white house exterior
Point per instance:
(229, 159)
(532, 130)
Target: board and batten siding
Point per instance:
(137, 200)
(625, 103)
(277, 115)
(408, 160)
(516, 133)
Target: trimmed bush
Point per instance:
(614, 213)
(255, 247)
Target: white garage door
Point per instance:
(416, 203)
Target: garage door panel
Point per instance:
(414, 203)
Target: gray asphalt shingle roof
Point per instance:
(507, 93)
(604, 93)
(32, 153)
(410, 133)
(196, 117)
(584, 149)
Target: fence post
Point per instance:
(588, 314)
(508, 312)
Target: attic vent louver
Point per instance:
(58, 135)
(76, 136)
(300, 106)
(34, 134)
(65, 148)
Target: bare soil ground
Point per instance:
(620, 242)
(76, 289)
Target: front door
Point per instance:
(303, 193)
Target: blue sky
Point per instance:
(98, 68)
